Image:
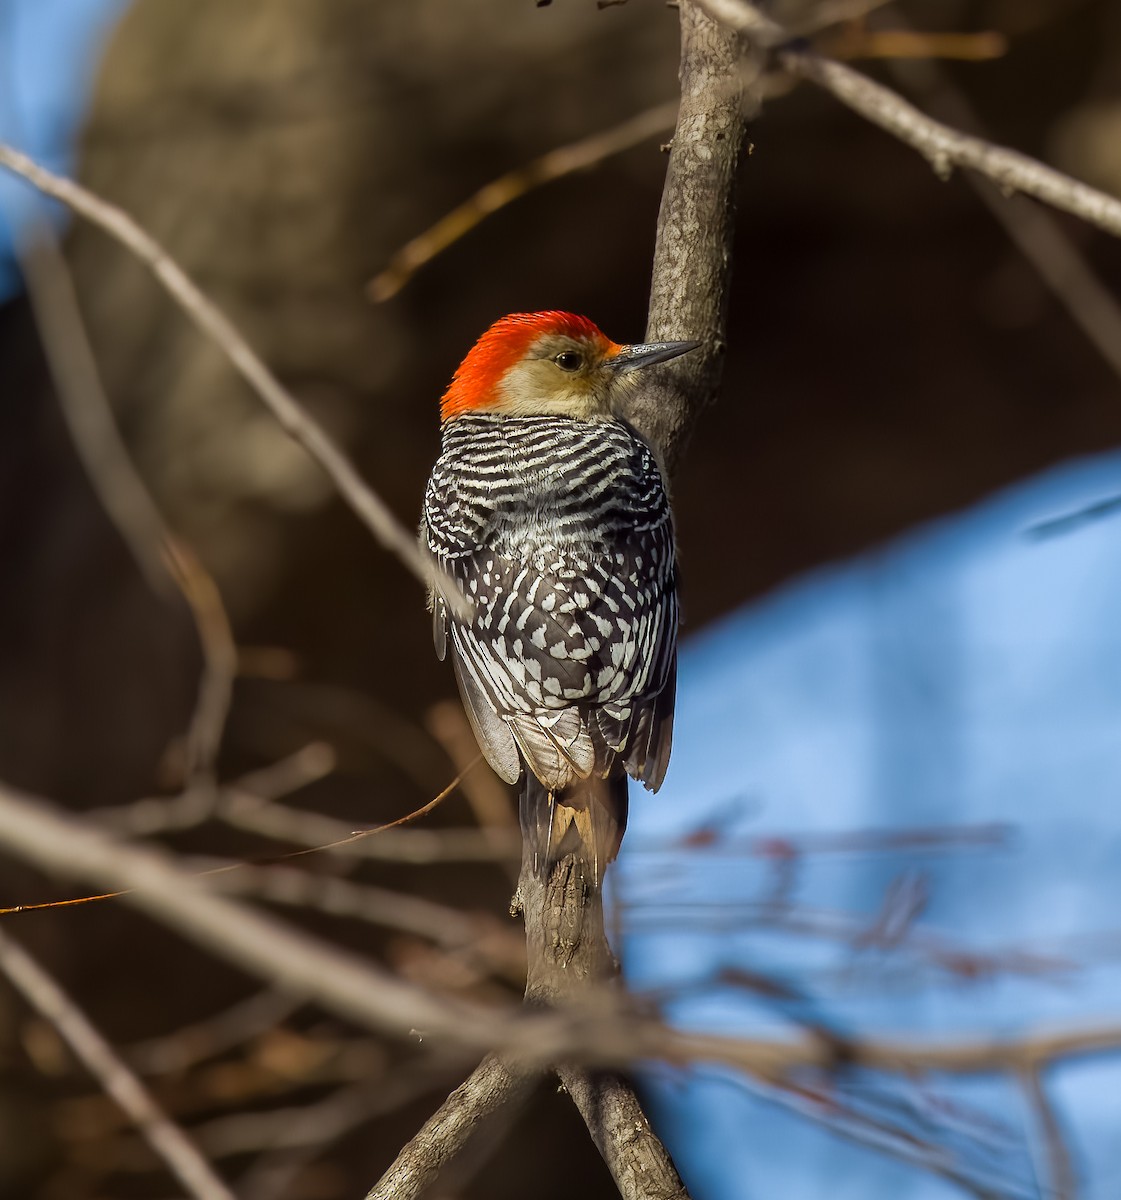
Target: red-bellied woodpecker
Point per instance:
(551, 515)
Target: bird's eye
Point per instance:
(569, 360)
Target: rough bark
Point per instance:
(490, 1088)
(637, 1160)
(570, 964)
(693, 255)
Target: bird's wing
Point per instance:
(651, 736)
(568, 655)
(575, 659)
(439, 626)
(641, 731)
(491, 731)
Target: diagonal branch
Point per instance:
(206, 315)
(1062, 1181)
(946, 148)
(160, 557)
(293, 961)
(588, 152)
(637, 1160)
(943, 146)
(1035, 231)
(491, 1087)
(168, 1141)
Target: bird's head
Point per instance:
(549, 363)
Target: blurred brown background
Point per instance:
(891, 357)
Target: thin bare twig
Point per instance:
(194, 805)
(488, 796)
(243, 810)
(206, 315)
(300, 1136)
(1108, 506)
(916, 44)
(478, 935)
(826, 1106)
(220, 660)
(298, 1127)
(161, 558)
(981, 1055)
(168, 1141)
(293, 961)
(1034, 230)
(566, 160)
(363, 723)
(944, 147)
(86, 408)
(192, 1044)
(1062, 1182)
(955, 958)
(248, 804)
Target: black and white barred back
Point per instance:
(559, 533)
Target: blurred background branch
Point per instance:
(162, 1135)
(210, 320)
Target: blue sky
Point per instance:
(48, 54)
(968, 674)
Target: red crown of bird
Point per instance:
(505, 343)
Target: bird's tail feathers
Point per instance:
(587, 819)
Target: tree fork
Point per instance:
(570, 962)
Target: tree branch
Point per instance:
(637, 1160)
(492, 1086)
(252, 941)
(943, 146)
(569, 959)
(946, 148)
(568, 953)
(571, 966)
(206, 315)
(693, 252)
(583, 155)
(159, 555)
(1062, 1181)
(168, 1141)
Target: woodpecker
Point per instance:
(550, 513)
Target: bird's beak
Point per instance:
(646, 354)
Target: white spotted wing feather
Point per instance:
(559, 533)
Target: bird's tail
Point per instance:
(586, 819)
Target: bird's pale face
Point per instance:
(565, 376)
(549, 364)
